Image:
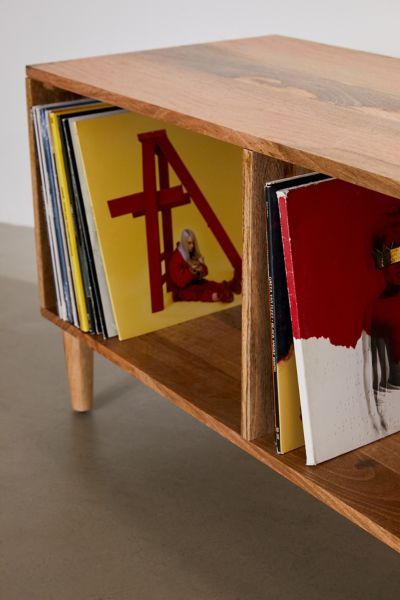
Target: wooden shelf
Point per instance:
(291, 105)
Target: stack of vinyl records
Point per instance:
(334, 279)
(111, 245)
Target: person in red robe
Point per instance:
(187, 271)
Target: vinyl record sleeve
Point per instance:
(98, 293)
(111, 158)
(53, 209)
(287, 413)
(345, 310)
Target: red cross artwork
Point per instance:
(151, 201)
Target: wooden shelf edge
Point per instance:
(314, 480)
(271, 148)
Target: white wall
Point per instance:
(38, 31)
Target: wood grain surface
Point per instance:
(79, 363)
(362, 485)
(322, 107)
(257, 401)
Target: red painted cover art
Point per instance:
(342, 254)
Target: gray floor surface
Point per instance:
(137, 500)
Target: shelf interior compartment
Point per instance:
(196, 364)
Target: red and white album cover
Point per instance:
(342, 256)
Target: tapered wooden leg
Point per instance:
(79, 362)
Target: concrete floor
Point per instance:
(138, 501)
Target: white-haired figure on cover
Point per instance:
(187, 272)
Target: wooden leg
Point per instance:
(79, 362)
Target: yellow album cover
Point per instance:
(110, 155)
(67, 208)
(291, 428)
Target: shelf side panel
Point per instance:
(39, 93)
(257, 396)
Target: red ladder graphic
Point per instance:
(152, 201)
